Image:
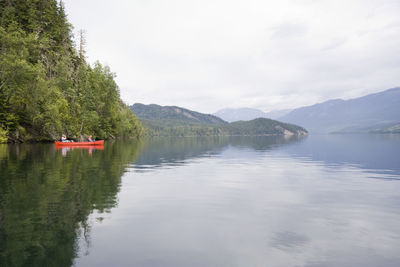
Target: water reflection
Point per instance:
(219, 201)
(262, 201)
(378, 153)
(46, 195)
(64, 149)
(288, 240)
(160, 152)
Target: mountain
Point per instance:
(369, 113)
(240, 114)
(177, 121)
(247, 114)
(276, 114)
(263, 126)
(173, 114)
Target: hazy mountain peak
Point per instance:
(246, 114)
(362, 114)
(240, 114)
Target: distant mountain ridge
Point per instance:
(377, 112)
(240, 114)
(177, 121)
(246, 114)
(373, 113)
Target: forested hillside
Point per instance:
(47, 88)
(264, 126)
(173, 114)
(177, 121)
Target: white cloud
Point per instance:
(207, 55)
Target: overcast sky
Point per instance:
(211, 54)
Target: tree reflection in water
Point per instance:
(46, 196)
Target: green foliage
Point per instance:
(46, 88)
(3, 136)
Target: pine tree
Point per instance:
(46, 86)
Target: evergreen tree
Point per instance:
(46, 86)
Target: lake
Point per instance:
(328, 200)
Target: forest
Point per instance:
(47, 86)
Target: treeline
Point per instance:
(173, 128)
(256, 127)
(47, 88)
(264, 126)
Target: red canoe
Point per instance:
(89, 148)
(94, 143)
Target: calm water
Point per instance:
(319, 201)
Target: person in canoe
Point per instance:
(90, 139)
(64, 139)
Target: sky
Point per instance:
(212, 54)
